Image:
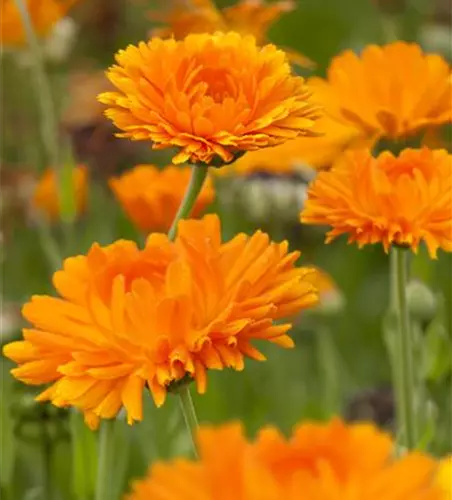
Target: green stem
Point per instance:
(105, 460)
(47, 452)
(49, 130)
(189, 412)
(405, 379)
(198, 176)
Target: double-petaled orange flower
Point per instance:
(247, 17)
(402, 200)
(47, 195)
(393, 91)
(212, 97)
(151, 196)
(43, 14)
(319, 462)
(127, 318)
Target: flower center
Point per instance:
(220, 83)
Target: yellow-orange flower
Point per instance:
(46, 198)
(247, 17)
(211, 96)
(402, 200)
(320, 462)
(43, 14)
(127, 317)
(444, 476)
(317, 152)
(392, 91)
(151, 196)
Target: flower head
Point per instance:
(392, 91)
(444, 476)
(319, 462)
(127, 317)
(46, 198)
(211, 96)
(247, 17)
(151, 196)
(402, 200)
(43, 14)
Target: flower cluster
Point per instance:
(319, 461)
(127, 317)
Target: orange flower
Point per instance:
(211, 96)
(320, 462)
(129, 317)
(247, 17)
(151, 197)
(392, 91)
(294, 156)
(444, 476)
(393, 200)
(43, 13)
(46, 196)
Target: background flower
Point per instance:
(130, 317)
(392, 91)
(320, 461)
(44, 14)
(247, 17)
(151, 196)
(400, 200)
(215, 96)
(46, 197)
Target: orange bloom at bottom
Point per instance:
(128, 318)
(151, 196)
(332, 461)
(402, 200)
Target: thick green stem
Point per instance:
(189, 412)
(198, 176)
(106, 457)
(49, 130)
(405, 382)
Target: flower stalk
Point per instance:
(198, 176)
(105, 463)
(188, 410)
(48, 126)
(405, 381)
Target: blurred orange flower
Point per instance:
(392, 91)
(247, 17)
(151, 196)
(320, 461)
(43, 14)
(316, 152)
(46, 198)
(444, 476)
(400, 200)
(129, 317)
(211, 96)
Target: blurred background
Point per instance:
(339, 365)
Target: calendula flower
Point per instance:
(212, 97)
(444, 476)
(46, 198)
(151, 196)
(402, 200)
(393, 91)
(128, 318)
(43, 14)
(319, 462)
(247, 17)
